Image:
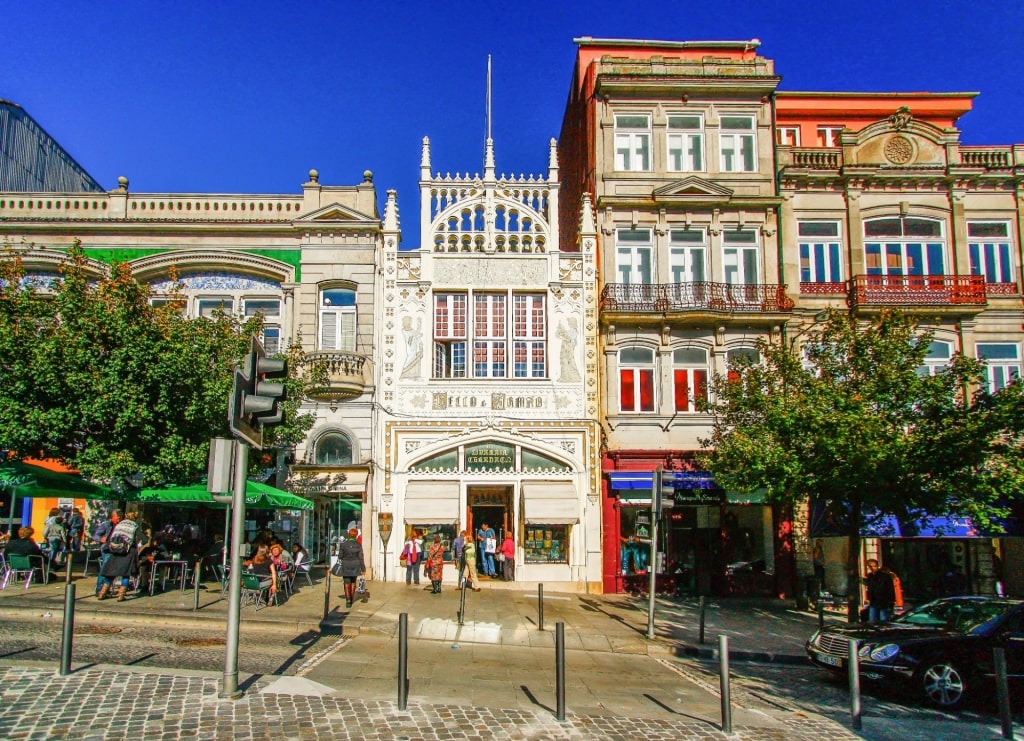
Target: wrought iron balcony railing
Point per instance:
(917, 290)
(702, 296)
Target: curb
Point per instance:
(706, 653)
(174, 619)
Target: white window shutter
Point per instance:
(328, 330)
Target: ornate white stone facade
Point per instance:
(487, 393)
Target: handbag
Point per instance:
(500, 557)
(403, 561)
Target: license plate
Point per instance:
(829, 660)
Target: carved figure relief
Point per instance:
(569, 333)
(413, 347)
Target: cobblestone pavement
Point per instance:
(38, 704)
(886, 713)
(139, 644)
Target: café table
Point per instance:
(168, 565)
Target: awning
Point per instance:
(550, 503)
(431, 502)
(631, 480)
(257, 496)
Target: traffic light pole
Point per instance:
(653, 565)
(229, 688)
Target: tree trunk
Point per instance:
(853, 568)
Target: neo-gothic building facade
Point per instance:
(488, 339)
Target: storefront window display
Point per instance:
(635, 540)
(427, 533)
(546, 543)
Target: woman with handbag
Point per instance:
(411, 558)
(352, 564)
(435, 565)
(507, 557)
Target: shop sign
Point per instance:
(490, 457)
(385, 524)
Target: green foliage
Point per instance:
(97, 377)
(852, 426)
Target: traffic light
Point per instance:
(255, 397)
(664, 490)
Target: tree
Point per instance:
(99, 378)
(852, 428)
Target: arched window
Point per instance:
(338, 319)
(740, 358)
(333, 449)
(690, 371)
(636, 379)
(899, 246)
(938, 357)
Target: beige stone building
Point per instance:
(305, 261)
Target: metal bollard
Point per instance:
(559, 671)
(69, 630)
(403, 660)
(195, 584)
(702, 620)
(723, 681)
(462, 602)
(821, 612)
(327, 594)
(854, 661)
(1003, 692)
(540, 607)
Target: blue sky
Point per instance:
(229, 97)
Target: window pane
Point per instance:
(338, 297)
(818, 229)
(635, 235)
(691, 236)
(922, 228)
(743, 237)
(883, 228)
(627, 391)
(987, 229)
(690, 356)
(936, 259)
(737, 122)
(998, 352)
(209, 306)
(264, 306)
(333, 450)
(646, 390)
(682, 379)
(636, 356)
(631, 122)
(684, 122)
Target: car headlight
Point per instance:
(884, 652)
(814, 638)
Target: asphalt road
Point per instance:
(887, 714)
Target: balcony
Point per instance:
(712, 298)
(910, 291)
(335, 375)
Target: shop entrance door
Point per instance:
(491, 505)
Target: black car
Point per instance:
(942, 650)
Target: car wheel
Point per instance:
(943, 684)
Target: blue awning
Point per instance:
(935, 527)
(692, 479)
(632, 480)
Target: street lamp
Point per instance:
(815, 321)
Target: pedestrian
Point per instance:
(435, 565)
(410, 559)
(459, 551)
(123, 561)
(76, 526)
(818, 561)
(471, 577)
(55, 537)
(486, 545)
(508, 554)
(350, 555)
(881, 593)
(99, 537)
(263, 566)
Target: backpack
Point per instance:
(120, 541)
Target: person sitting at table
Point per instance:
(155, 551)
(263, 566)
(23, 545)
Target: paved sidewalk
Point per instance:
(492, 677)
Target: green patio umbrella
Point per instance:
(28, 481)
(257, 496)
